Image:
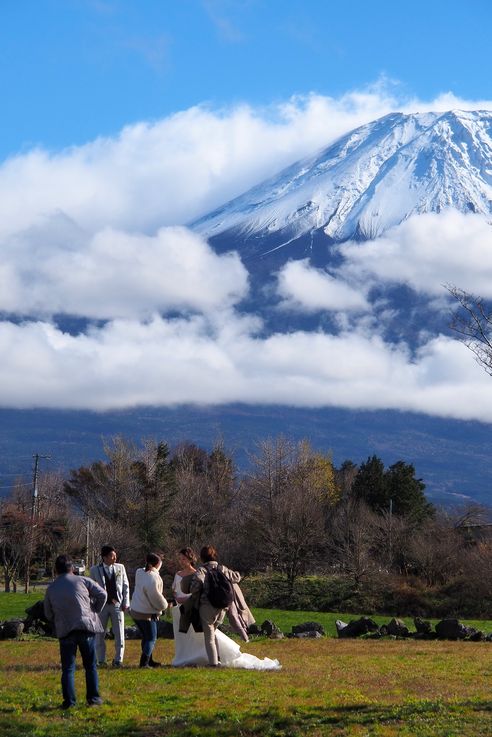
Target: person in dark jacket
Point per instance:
(72, 603)
(210, 616)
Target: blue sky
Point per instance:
(73, 70)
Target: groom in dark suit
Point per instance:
(112, 577)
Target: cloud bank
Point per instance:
(425, 252)
(58, 269)
(98, 232)
(171, 361)
(308, 289)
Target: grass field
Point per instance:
(344, 688)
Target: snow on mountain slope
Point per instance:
(371, 179)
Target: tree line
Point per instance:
(292, 512)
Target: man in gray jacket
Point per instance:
(112, 577)
(71, 603)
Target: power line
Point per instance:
(16, 473)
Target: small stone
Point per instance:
(13, 629)
(397, 628)
(310, 634)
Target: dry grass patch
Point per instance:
(330, 687)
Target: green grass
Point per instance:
(14, 605)
(326, 688)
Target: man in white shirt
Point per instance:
(112, 577)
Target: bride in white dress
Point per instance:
(189, 647)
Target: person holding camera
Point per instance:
(72, 604)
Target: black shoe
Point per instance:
(67, 705)
(96, 701)
(117, 664)
(153, 663)
(144, 661)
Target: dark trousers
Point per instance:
(148, 629)
(86, 643)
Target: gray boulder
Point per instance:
(36, 623)
(12, 629)
(356, 627)
(308, 627)
(451, 629)
(340, 625)
(132, 633)
(254, 629)
(476, 636)
(269, 628)
(310, 634)
(422, 626)
(398, 628)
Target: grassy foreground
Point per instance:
(326, 687)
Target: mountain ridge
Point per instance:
(369, 180)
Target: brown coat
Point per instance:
(239, 614)
(197, 585)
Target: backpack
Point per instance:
(218, 589)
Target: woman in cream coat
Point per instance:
(146, 605)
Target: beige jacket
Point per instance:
(198, 584)
(147, 597)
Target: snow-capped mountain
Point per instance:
(369, 180)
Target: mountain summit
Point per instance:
(370, 180)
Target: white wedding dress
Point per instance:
(189, 647)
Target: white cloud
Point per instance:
(168, 362)
(56, 268)
(425, 252)
(178, 168)
(92, 231)
(173, 170)
(307, 289)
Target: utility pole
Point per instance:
(391, 532)
(34, 516)
(88, 550)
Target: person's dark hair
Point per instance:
(208, 553)
(63, 564)
(152, 560)
(106, 550)
(190, 554)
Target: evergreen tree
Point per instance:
(369, 484)
(395, 487)
(406, 492)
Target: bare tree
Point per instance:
(14, 522)
(436, 550)
(473, 322)
(352, 539)
(391, 536)
(107, 489)
(205, 493)
(128, 496)
(289, 492)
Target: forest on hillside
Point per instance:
(349, 537)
